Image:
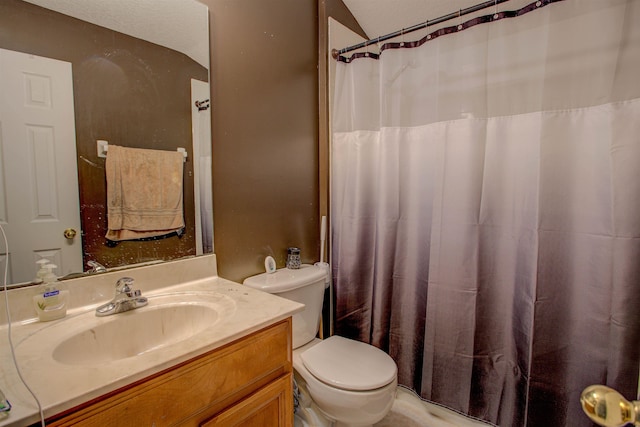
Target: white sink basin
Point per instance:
(167, 320)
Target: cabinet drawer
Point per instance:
(195, 390)
(269, 406)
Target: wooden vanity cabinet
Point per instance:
(247, 382)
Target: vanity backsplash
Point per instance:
(99, 288)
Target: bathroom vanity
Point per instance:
(248, 380)
(204, 352)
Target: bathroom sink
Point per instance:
(167, 320)
(135, 332)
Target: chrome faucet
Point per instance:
(126, 299)
(96, 267)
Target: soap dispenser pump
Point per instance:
(42, 270)
(50, 302)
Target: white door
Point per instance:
(38, 179)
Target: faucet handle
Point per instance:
(124, 285)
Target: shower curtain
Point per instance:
(486, 211)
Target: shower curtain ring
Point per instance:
(495, 12)
(459, 21)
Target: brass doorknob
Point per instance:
(607, 407)
(70, 233)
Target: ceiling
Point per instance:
(380, 17)
(177, 24)
(161, 22)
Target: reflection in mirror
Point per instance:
(79, 72)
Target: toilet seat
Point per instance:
(349, 365)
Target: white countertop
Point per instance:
(61, 386)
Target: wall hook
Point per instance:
(202, 105)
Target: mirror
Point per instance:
(139, 78)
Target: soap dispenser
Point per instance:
(50, 302)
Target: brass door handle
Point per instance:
(70, 233)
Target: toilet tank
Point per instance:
(304, 285)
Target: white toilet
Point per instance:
(350, 382)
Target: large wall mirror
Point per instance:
(136, 75)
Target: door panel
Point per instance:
(39, 184)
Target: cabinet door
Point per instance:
(269, 407)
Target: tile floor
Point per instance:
(409, 411)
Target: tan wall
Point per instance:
(269, 172)
(265, 119)
(264, 131)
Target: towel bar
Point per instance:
(103, 147)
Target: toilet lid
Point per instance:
(349, 364)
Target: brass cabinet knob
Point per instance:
(70, 233)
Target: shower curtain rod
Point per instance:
(336, 53)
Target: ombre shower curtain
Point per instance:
(486, 211)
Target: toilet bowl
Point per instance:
(350, 382)
(357, 392)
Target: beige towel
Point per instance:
(144, 193)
